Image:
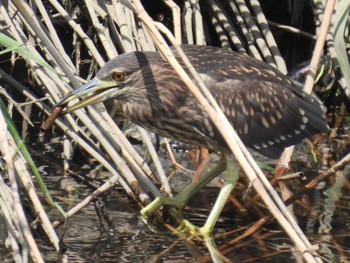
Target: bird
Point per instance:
(268, 110)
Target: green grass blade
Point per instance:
(12, 45)
(340, 21)
(22, 148)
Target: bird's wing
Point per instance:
(267, 116)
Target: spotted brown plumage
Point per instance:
(268, 111)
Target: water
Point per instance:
(115, 233)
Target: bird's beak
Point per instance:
(92, 92)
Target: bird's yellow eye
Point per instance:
(118, 76)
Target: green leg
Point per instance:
(181, 199)
(230, 182)
(214, 252)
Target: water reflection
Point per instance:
(116, 233)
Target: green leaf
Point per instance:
(341, 18)
(22, 148)
(12, 45)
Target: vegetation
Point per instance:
(48, 48)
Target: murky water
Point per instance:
(110, 230)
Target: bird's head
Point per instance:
(122, 78)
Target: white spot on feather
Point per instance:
(264, 122)
(273, 120)
(246, 128)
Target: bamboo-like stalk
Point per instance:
(77, 28)
(198, 23)
(228, 133)
(53, 34)
(248, 36)
(123, 32)
(225, 25)
(270, 40)
(253, 171)
(188, 26)
(123, 14)
(101, 31)
(10, 219)
(14, 164)
(36, 26)
(176, 19)
(155, 158)
(309, 83)
(254, 29)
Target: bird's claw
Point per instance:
(150, 209)
(160, 201)
(186, 227)
(192, 231)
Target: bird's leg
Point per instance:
(181, 199)
(229, 184)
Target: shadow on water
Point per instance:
(110, 230)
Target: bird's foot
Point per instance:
(160, 201)
(185, 227)
(191, 231)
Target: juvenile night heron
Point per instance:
(268, 111)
